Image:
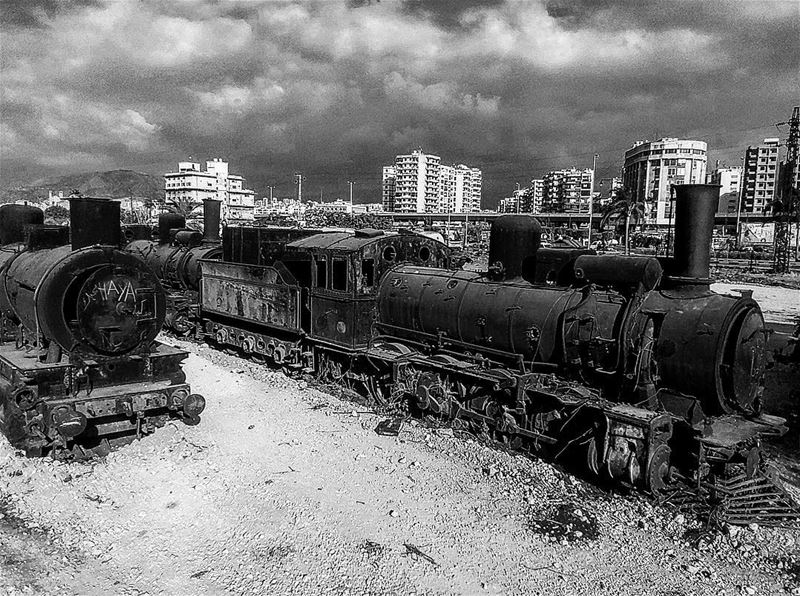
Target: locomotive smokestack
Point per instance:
(167, 222)
(513, 242)
(695, 206)
(14, 218)
(211, 210)
(93, 221)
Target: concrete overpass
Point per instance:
(557, 219)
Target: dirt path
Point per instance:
(285, 490)
(780, 305)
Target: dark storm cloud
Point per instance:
(446, 13)
(336, 88)
(37, 13)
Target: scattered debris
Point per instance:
(390, 427)
(416, 553)
(567, 522)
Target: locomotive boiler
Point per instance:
(79, 368)
(621, 323)
(175, 259)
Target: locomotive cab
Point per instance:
(344, 269)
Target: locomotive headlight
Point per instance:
(178, 398)
(68, 422)
(194, 405)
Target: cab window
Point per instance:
(322, 272)
(339, 274)
(368, 273)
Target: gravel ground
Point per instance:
(283, 489)
(780, 305)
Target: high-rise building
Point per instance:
(567, 191)
(760, 177)
(473, 189)
(190, 185)
(510, 204)
(418, 183)
(531, 198)
(730, 182)
(651, 168)
(447, 190)
(388, 187)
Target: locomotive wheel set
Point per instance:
(80, 372)
(628, 369)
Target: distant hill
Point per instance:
(114, 184)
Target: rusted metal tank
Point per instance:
(95, 299)
(513, 242)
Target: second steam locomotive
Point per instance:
(80, 370)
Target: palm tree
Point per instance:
(626, 209)
(182, 206)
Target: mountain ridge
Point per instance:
(114, 184)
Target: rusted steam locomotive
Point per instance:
(175, 259)
(80, 371)
(630, 368)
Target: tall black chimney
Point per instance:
(211, 211)
(93, 221)
(695, 206)
(14, 218)
(513, 240)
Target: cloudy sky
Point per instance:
(336, 88)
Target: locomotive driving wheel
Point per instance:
(658, 470)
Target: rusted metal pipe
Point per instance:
(211, 217)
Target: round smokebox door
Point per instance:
(116, 309)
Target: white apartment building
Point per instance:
(730, 182)
(531, 199)
(416, 182)
(191, 184)
(419, 183)
(760, 176)
(651, 168)
(568, 190)
(468, 196)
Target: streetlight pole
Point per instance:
(591, 198)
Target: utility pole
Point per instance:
(270, 193)
(518, 198)
(350, 182)
(784, 205)
(591, 198)
(739, 208)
